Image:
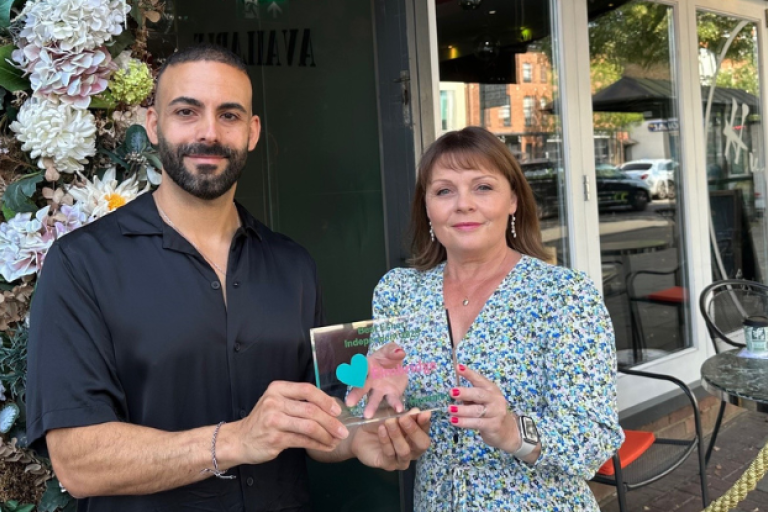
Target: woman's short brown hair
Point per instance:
(473, 148)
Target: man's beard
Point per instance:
(205, 184)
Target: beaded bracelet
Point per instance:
(216, 472)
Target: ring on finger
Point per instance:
(482, 413)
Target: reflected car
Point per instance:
(659, 173)
(614, 188)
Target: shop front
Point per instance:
(638, 124)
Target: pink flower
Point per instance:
(75, 77)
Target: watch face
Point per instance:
(529, 433)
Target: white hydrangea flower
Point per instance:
(74, 77)
(24, 243)
(72, 25)
(68, 219)
(101, 196)
(52, 129)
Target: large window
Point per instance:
(488, 56)
(638, 175)
(730, 85)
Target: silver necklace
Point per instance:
(170, 223)
(467, 296)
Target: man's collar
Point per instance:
(140, 217)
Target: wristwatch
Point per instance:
(528, 434)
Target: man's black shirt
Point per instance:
(129, 324)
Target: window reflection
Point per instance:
(735, 159)
(498, 63)
(638, 176)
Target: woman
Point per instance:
(533, 343)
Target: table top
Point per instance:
(737, 380)
(632, 246)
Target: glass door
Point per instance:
(734, 144)
(498, 69)
(639, 175)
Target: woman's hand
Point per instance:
(485, 409)
(392, 444)
(387, 380)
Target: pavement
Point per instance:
(738, 443)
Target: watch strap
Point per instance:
(526, 448)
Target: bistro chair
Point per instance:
(724, 306)
(644, 458)
(673, 296)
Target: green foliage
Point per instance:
(5, 13)
(11, 78)
(136, 151)
(13, 361)
(15, 506)
(8, 213)
(121, 43)
(18, 195)
(54, 499)
(744, 78)
(637, 32)
(713, 30)
(103, 102)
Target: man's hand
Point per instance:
(387, 379)
(394, 443)
(289, 415)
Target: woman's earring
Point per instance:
(431, 231)
(512, 226)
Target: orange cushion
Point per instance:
(634, 445)
(676, 294)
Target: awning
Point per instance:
(656, 97)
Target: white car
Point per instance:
(658, 173)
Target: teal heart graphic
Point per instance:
(353, 374)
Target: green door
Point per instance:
(316, 174)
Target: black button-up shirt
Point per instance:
(129, 324)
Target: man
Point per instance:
(169, 340)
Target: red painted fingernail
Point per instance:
(455, 392)
(454, 408)
(454, 420)
(462, 367)
(398, 350)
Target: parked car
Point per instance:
(614, 188)
(659, 173)
(617, 188)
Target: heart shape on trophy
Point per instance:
(355, 373)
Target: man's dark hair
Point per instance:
(203, 52)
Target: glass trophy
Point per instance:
(367, 368)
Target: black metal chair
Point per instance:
(724, 306)
(675, 296)
(662, 457)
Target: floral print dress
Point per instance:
(545, 338)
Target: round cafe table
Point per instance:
(737, 380)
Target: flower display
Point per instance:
(14, 305)
(56, 130)
(73, 77)
(24, 242)
(101, 196)
(72, 149)
(72, 25)
(133, 84)
(67, 219)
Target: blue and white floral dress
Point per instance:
(545, 338)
